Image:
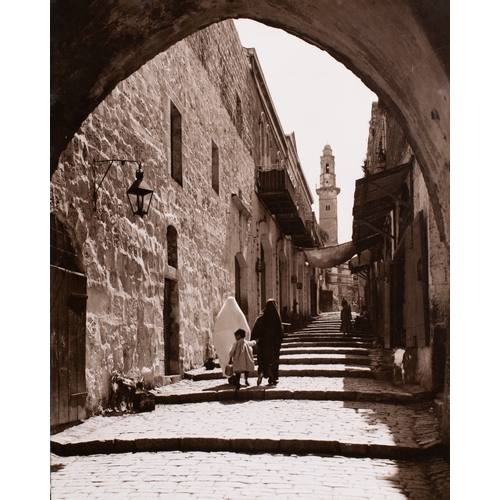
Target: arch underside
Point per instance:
(398, 48)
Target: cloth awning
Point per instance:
(374, 197)
(335, 255)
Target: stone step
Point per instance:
(330, 334)
(304, 342)
(319, 355)
(321, 325)
(327, 333)
(325, 359)
(270, 425)
(357, 351)
(333, 338)
(317, 388)
(292, 370)
(325, 370)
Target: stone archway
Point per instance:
(398, 48)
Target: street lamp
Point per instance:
(139, 194)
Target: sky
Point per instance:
(322, 102)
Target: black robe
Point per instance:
(268, 330)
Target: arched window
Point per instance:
(172, 246)
(240, 282)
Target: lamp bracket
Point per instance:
(94, 170)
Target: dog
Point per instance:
(405, 363)
(398, 365)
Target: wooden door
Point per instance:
(171, 329)
(416, 309)
(68, 310)
(398, 298)
(68, 304)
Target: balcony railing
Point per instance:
(276, 190)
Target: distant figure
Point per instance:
(268, 331)
(295, 317)
(345, 318)
(286, 320)
(241, 355)
(285, 317)
(362, 322)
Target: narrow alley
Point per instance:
(177, 182)
(329, 429)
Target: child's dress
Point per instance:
(242, 355)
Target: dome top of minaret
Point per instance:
(327, 150)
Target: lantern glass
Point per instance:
(140, 195)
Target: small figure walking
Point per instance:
(345, 318)
(268, 331)
(241, 355)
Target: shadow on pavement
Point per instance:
(421, 427)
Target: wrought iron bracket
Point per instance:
(97, 185)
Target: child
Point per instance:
(242, 356)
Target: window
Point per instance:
(327, 168)
(267, 147)
(215, 167)
(327, 207)
(239, 116)
(175, 144)
(172, 246)
(261, 140)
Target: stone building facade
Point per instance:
(405, 277)
(201, 122)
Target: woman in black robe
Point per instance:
(345, 318)
(268, 330)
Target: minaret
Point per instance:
(327, 193)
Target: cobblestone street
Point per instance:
(334, 432)
(199, 475)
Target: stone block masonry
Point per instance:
(206, 77)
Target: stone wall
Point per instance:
(208, 78)
(439, 290)
(125, 257)
(385, 131)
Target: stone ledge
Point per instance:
(269, 393)
(248, 445)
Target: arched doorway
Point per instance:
(241, 282)
(68, 308)
(171, 328)
(398, 48)
(266, 271)
(283, 282)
